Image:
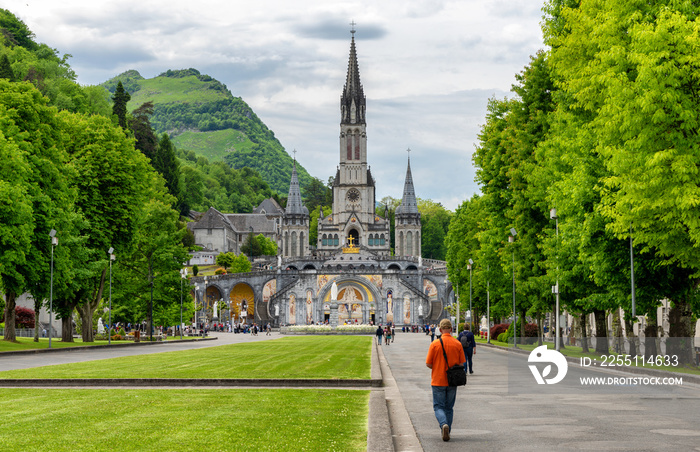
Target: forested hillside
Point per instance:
(201, 115)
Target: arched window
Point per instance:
(324, 240)
(417, 243)
(336, 240)
(286, 243)
(371, 240)
(401, 253)
(301, 244)
(409, 243)
(294, 244)
(381, 240)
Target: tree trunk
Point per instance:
(631, 337)
(37, 309)
(522, 327)
(67, 329)
(650, 349)
(87, 309)
(10, 317)
(584, 333)
(617, 332)
(540, 331)
(681, 332)
(601, 332)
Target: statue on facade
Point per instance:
(420, 309)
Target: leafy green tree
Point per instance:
(241, 264)
(37, 178)
(251, 246)
(16, 31)
(168, 166)
(267, 246)
(6, 69)
(316, 194)
(225, 260)
(146, 139)
(120, 99)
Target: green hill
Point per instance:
(200, 114)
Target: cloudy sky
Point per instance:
(428, 68)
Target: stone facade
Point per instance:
(353, 249)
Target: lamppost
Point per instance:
(205, 303)
(471, 314)
(109, 325)
(511, 239)
(150, 277)
(488, 307)
(183, 276)
(196, 295)
(634, 313)
(54, 242)
(555, 289)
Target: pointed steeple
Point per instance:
(408, 202)
(352, 102)
(294, 205)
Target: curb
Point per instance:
(175, 382)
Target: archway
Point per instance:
(242, 306)
(353, 237)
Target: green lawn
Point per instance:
(307, 357)
(175, 419)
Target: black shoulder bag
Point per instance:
(456, 376)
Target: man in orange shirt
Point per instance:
(444, 395)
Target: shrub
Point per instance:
(24, 317)
(122, 333)
(499, 328)
(117, 337)
(195, 270)
(503, 337)
(220, 271)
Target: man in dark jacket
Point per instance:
(379, 333)
(466, 338)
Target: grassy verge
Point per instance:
(173, 419)
(577, 352)
(305, 357)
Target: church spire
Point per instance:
(352, 102)
(294, 205)
(408, 202)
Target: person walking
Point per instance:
(387, 335)
(444, 395)
(379, 333)
(466, 338)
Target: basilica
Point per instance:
(353, 248)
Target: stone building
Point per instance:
(353, 249)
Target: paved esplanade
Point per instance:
(488, 418)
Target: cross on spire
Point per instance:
(295, 154)
(409, 153)
(352, 24)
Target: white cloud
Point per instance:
(427, 66)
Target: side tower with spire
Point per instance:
(407, 233)
(294, 234)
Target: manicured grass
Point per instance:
(175, 419)
(306, 357)
(577, 352)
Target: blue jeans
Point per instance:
(468, 352)
(443, 402)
